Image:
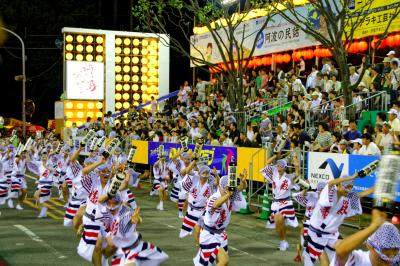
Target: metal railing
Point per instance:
(378, 101)
(318, 113)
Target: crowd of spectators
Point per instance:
(205, 110)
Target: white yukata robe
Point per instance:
(328, 215)
(281, 190)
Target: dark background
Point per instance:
(39, 23)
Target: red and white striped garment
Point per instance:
(325, 221)
(124, 236)
(198, 196)
(210, 243)
(160, 171)
(45, 179)
(281, 190)
(309, 201)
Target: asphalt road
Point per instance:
(27, 240)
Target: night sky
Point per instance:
(39, 23)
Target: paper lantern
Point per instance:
(79, 123)
(126, 105)
(69, 115)
(309, 54)
(127, 50)
(99, 114)
(79, 38)
(135, 51)
(135, 42)
(79, 48)
(135, 78)
(135, 60)
(384, 43)
(118, 105)
(144, 51)
(89, 57)
(278, 58)
(118, 69)
(127, 41)
(99, 105)
(135, 69)
(286, 58)
(144, 78)
(118, 59)
(135, 87)
(397, 39)
(125, 96)
(69, 105)
(79, 57)
(126, 87)
(99, 58)
(80, 114)
(136, 96)
(99, 48)
(69, 56)
(362, 46)
(118, 77)
(145, 42)
(135, 103)
(90, 114)
(99, 39)
(118, 96)
(144, 61)
(69, 47)
(79, 105)
(391, 41)
(127, 69)
(127, 59)
(68, 123)
(264, 61)
(89, 48)
(89, 39)
(250, 64)
(144, 69)
(143, 87)
(90, 105)
(69, 38)
(118, 50)
(118, 87)
(145, 97)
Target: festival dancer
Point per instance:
(18, 185)
(175, 166)
(336, 202)
(213, 239)
(307, 199)
(123, 240)
(382, 240)
(161, 177)
(282, 210)
(199, 188)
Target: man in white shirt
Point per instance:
(394, 122)
(201, 89)
(392, 55)
(353, 75)
(315, 100)
(297, 86)
(369, 147)
(312, 78)
(386, 142)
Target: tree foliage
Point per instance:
(341, 22)
(166, 16)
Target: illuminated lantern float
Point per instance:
(111, 71)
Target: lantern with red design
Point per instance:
(362, 46)
(391, 41)
(397, 39)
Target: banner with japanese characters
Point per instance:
(378, 14)
(218, 156)
(278, 36)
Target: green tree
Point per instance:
(339, 21)
(228, 31)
